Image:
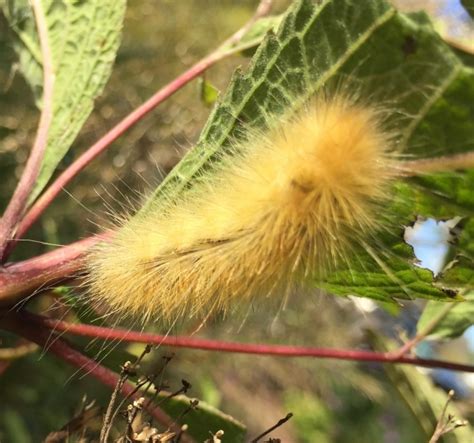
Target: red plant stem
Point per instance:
(15, 322)
(20, 280)
(18, 202)
(242, 348)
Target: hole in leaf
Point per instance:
(431, 241)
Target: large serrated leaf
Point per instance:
(395, 58)
(83, 37)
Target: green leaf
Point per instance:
(205, 420)
(454, 323)
(394, 58)
(83, 37)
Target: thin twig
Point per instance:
(132, 412)
(242, 348)
(277, 425)
(16, 323)
(444, 424)
(109, 413)
(19, 200)
(224, 50)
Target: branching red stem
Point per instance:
(41, 335)
(19, 200)
(243, 348)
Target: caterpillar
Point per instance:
(289, 204)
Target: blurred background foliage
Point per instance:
(341, 402)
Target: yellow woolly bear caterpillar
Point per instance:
(292, 203)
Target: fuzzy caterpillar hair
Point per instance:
(291, 204)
